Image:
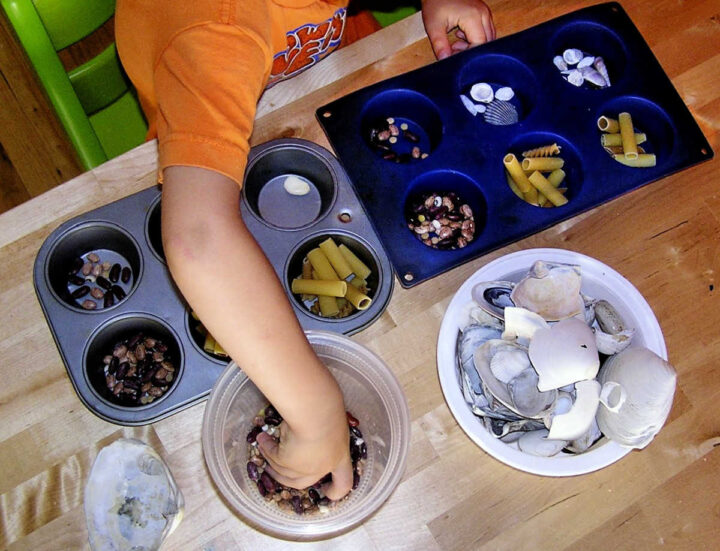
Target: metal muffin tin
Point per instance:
(466, 154)
(128, 231)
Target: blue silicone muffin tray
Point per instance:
(466, 154)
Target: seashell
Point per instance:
(295, 185)
(482, 92)
(469, 105)
(572, 56)
(564, 354)
(610, 344)
(551, 290)
(480, 108)
(524, 399)
(501, 113)
(577, 421)
(575, 78)
(585, 61)
(600, 67)
(469, 340)
(472, 314)
(521, 323)
(608, 318)
(583, 443)
(131, 499)
(590, 75)
(637, 395)
(505, 93)
(506, 429)
(560, 63)
(493, 296)
(537, 443)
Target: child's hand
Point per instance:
(472, 20)
(301, 458)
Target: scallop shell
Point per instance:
(501, 113)
(637, 395)
(572, 56)
(131, 499)
(505, 93)
(482, 92)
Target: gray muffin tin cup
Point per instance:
(128, 231)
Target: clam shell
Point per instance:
(295, 185)
(550, 290)
(572, 56)
(493, 297)
(537, 443)
(505, 93)
(482, 92)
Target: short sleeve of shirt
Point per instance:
(207, 84)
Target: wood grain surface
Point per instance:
(663, 237)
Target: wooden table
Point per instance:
(663, 238)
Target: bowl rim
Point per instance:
(568, 465)
(374, 371)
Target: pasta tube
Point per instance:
(546, 188)
(319, 287)
(627, 135)
(321, 265)
(606, 124)
(337, 260)
(359, 300)
(328, 306)
(358, 267)
(610, 140)
(556, 177)
(643, 160)
(519, 177)
(543, 164)
(513, 186)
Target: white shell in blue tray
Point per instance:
(131, 499)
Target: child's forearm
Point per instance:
(230, 284)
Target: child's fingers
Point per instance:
(437, 33)
(478, 31)
(342, 481)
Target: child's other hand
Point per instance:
(301, 458)
(471, 19)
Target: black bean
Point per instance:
(296, 502)
(118, 292)
(108, 300)
(115, 273)
(113, 365)
(363, 451)
(134, 340)
(261, 488)
(131, 383)
(80, 291)
(252, 435)
(125, 274)
(313, 495)
(446, 243)
(104, 283)
(252, 471)
(122, 370)
(356, 480)
(272, 421)
(356, 431)
(76, 279)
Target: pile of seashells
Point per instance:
(549, 368)
(492, 103)
(579, 68)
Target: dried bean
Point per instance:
(252, 435)
(125, 275)
(252, 471)
(115, 273)
(86, 269)
(97, 293)
(92, 257)
(118, 292)
(76, 279)
(108, 300)
(80, 292)
(89, 304)
(104, 283)
(268, 481)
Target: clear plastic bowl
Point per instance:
(372, 394)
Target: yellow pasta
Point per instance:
(556, 177)
(357, 282)
(544, 151)
(337, 260)
(520, 178)
(546, 188)
(358, 299)
(610, 140)
(328, 306)
(606, 124)
(542, 164)
(643, 160)
(513, 186)
(627, 135)
(358, 267)
(321, 265)
(322, 287)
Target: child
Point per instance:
(199, 68)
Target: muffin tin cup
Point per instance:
(128, 231)
(549, 109)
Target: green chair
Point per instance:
(95, 102)
(396, 12)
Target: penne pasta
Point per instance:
(556, 177)
(627, 135)
(360, 300)
(358, 267)
(512, 165)
(542, 164)
(319, 287)
(321, 265)
(337, 260)
(607, 124)
(328, 306)
(643, 160)
(513, 186)
(610, 140)
(547, 189)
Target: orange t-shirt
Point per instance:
(200, 66)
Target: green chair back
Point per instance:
(95, 102)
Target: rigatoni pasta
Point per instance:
(627, 135)
(622, 141)
(544, 189)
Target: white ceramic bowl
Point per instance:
(372, 394)
(598, 281)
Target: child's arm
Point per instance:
(472, 18)
(228, 281)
